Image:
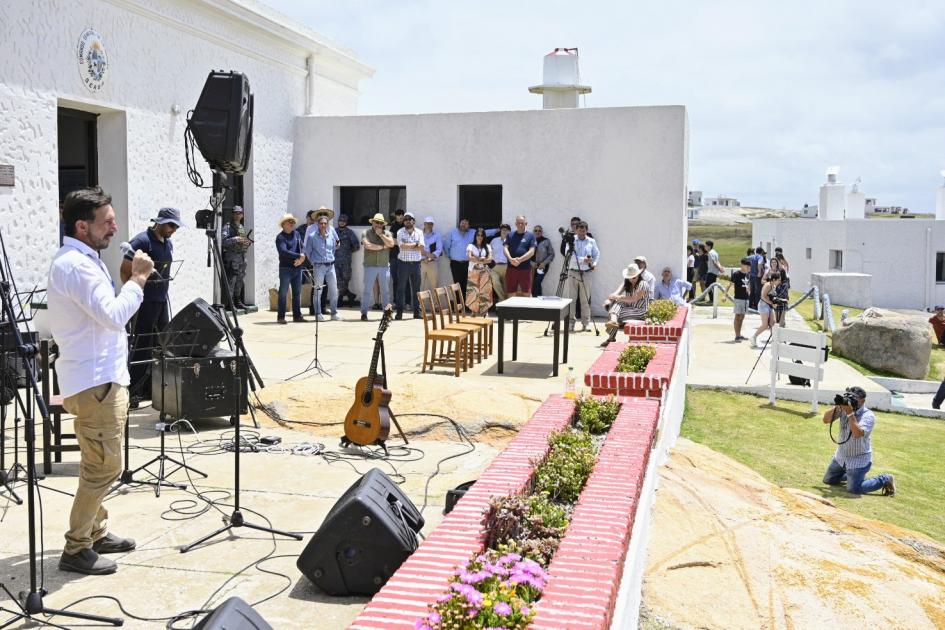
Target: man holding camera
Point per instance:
(854, 455)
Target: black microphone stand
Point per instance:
(315, 364)
(30, 604)
(235, 519)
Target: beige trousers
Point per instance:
(100, 414)
(498, 280)
(574, 291)
(428, 277)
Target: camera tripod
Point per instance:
(563, 278)
(779, 317)
(29, 604)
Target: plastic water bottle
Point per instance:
(570, 386)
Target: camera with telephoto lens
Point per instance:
(566, 235)
(848, 399)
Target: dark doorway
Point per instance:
(482, 205)
(78, 150)
(361, 203)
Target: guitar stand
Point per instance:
(345, 442)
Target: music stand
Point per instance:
(314, 364)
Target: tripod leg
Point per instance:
(187, 548)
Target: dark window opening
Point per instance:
(361, 203)
(940, 266)
(482, 205)
(78, 150)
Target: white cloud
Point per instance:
(775, 91)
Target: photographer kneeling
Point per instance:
(854, 455)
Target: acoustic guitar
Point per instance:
(368, 420)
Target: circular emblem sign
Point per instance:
(93, 62)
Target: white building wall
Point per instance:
(898, 254)
(622, 169)
(159, 54)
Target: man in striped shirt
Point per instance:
(854, 455)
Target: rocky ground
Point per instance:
(730, 550)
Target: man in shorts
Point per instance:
(741, 281)
(519, 249)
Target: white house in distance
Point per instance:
(905, 257)
(722, 202)
(117, 119)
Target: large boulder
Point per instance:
(884, 340)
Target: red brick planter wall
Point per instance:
(670, 332)
(586, 571)
(423, 577)
(604, 379)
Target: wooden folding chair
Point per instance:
(455, 341)
(448, 321)
(455, 295)
(52, 430)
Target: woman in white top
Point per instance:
(479, 284)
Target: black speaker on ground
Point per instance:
(233, 614)
(453, 496)
(365, 537)
(222, 122)
(193, 332)
(199, 387)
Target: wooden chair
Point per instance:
(445, 302)
(52, 430)
(447, 322)
(455, 295)
(432, 337)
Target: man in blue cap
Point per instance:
(154, 313)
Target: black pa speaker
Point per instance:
(200, 387)
(193, 332)
(222, 122)
(366, 536)
(233, 614)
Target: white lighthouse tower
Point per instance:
(833, 197)
(561, 80)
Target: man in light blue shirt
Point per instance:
(670, 288)
(319, 249)
(854, 456)
(580, 271)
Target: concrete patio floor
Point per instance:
(293, 492)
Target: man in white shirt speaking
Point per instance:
(88, 323)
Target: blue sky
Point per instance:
(776, 91)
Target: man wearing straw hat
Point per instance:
(289, 246)
(377, 243)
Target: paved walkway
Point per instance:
(717, 361)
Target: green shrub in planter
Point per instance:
(660, 311)
(595, 416)
(569, 463)
(530, 526)
(635, 358)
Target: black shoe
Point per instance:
(135, 402)
(87, 562)
(113, 544)
(889, 488)
(399, 316)
(281, 321)
(299, 319)
(363, 317)
(241, 306)
(377, 307)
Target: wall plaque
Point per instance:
(7, 177)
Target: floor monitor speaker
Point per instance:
(365, 537)
(233, 614)
(193, 332)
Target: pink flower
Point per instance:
(503, 609)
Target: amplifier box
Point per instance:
(199, 387)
